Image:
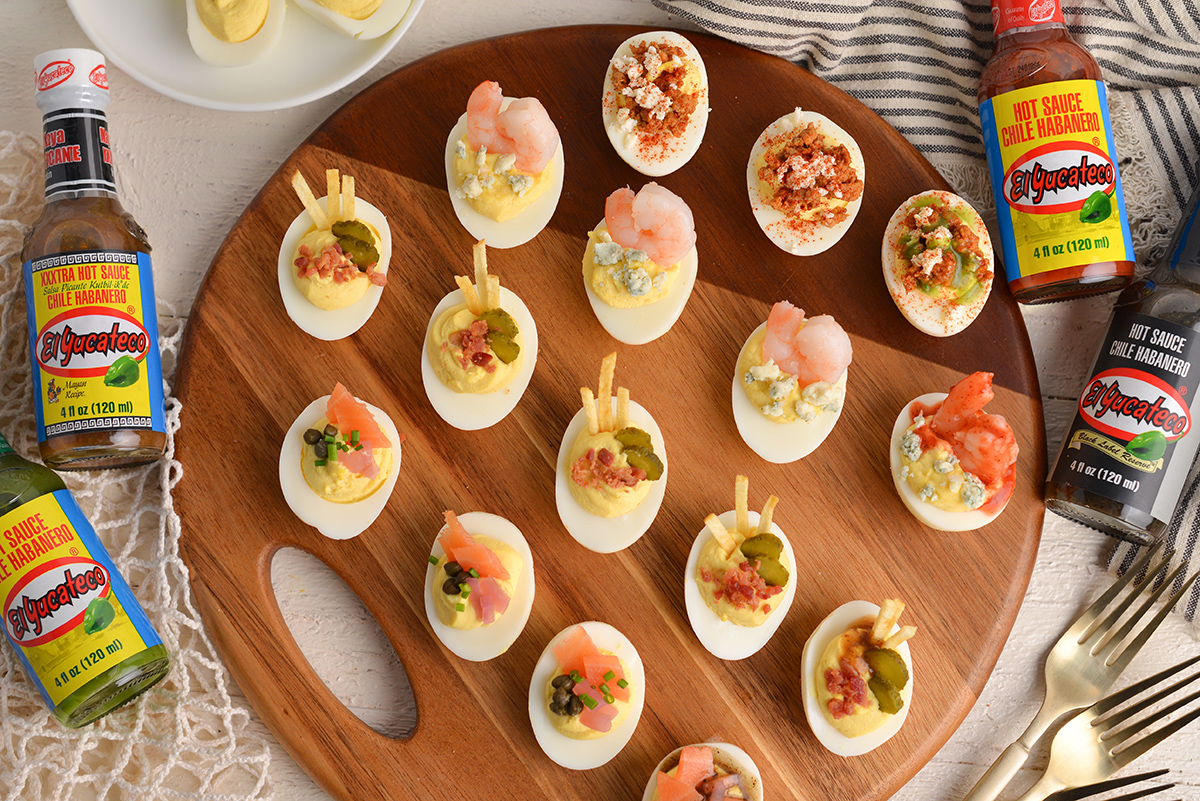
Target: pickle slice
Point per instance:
(361, 252)
(772, 572)
(761, 545)
(888, 696)
(645, 459)
(505, 349)
(634, 438)
(888, 666)
(354, 228)
(500, 320)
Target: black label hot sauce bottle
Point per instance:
(89, 287)
(1127, 454)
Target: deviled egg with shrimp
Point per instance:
(612, 468)
(480, 349)
(705, 770)
(358, 19)
(655, 103)
(789, 385)
(338, 464)
(233, 34)
(640, 264)
(739, 581)
(938, 262)
(857, 676)
(586, 695)
(504, 167)
(953, 464)
(805, 178)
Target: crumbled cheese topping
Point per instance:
(472, 187)
(766, 372)
(824, 395)
(460, 149)
(924, 215)
(773, 409)
(781, 388)
(607, 253)
(520, 183)
(926, 493)
(972, 492)
(926, 259)
(505, 162)
(481, 157)
(910, 446)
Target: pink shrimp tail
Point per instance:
(964, 399)
(816, 349)
(655, 220)
(984, 443)
(524, 129)
(482, 109)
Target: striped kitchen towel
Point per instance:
(916, 63)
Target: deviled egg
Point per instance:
(612, 469)
(358, 19)
(805, 179)
(722, 766)
(233, 36)
(655, 103)
(504, 167)
(584, 720)
(489, 557)
(938, 262)
(338, 464)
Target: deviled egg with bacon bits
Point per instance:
(226, 34)
(789, 384)
(338, 464)
(358, 19)
(612, 468)
(504, 167)
(858, 676)
(655, 104)
(480, 349)
(586, 695)
(805, 179)
(333, 259)
(953, 464)
(938, 262)
(738, 584)
(479, 585)
(640, 264)
(705, 771)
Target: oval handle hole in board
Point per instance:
(343, 643)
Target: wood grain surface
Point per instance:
(247, 371)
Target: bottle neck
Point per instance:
(77, 153)
(1008, 15)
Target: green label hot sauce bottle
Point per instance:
(77, 627)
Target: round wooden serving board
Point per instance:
(247, 371)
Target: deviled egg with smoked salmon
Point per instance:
(706, 770)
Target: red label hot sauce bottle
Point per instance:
(1044, 113)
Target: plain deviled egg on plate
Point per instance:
(225, 35)
(358, 19)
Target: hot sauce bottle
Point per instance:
(89, 287)
(1125, 459)
(1044, 112)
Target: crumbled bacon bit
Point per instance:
(804, 173)
(845, 681)
(332, 262)
(472, 342)
(595, 470)
(742, 586)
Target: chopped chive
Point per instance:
(609, 676)
(608, 699)
(622, 683)
(589, 701)
(319, 462)
(433, 560)
(460, 607)
(358, 447)
(354, 435)
(466, 590)
(332, 454)
(474, 573)
(330, 438)
(575, 677)
(604, 689)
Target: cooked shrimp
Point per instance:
(524, 129)
(816, 349)
(984, 443)
(655, 220)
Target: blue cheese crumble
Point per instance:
(910, 446)
(972, 492)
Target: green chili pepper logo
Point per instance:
(1149, 445)
(1097, 208)
(98, 615)
(124, 372)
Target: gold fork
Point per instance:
(1105, 737)
(1099, 788)
(1086, 662)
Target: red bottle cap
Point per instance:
(1009, 14)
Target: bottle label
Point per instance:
(1132, 439)
(77, 155)
(1009, 14)
(67, 611)
(93, 341)
(1054, 177)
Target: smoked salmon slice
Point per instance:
(671, 788)
(598, 666)
(461, 547)
(695, 765)
(349, 414)
(573, 649)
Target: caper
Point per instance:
(575, 706)
(645, 459)
(888, 696)
(321, 449)
(772, 572)
(312, 436)
(762, 545)
(450, 586)
(355, 228)
(558, 710)
(634, 438)
(331, 430)
(888, 666)
(562, 680)
(562, 697)
(500, 320)
(453, 568)
(504, 347)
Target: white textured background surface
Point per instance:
(186, 173)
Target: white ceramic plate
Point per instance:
(148, 40)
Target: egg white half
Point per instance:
(927, 513)
(335, 323)
(520, 229)
(212, 50)
(338, 521)
(471, 411)
(725, 639)
(814, 238)
(609, 534)
(488, 641)
(779, 443)
(832, 626)
(384, 18)
(933, 316)
(586, 754)
(723, 753)
(643, 324)
(656, 156)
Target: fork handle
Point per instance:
(999, 774)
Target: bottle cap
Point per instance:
(1009, 14)
(70, 78)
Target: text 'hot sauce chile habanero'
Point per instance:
(89, 287)
(1044, 112)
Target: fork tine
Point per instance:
(1087, 791)
(1108, 639)
(1121, 696)
(1083, 628)
(1105, 724)
(1114, 738)
(1135, 750)
(1130, 649)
